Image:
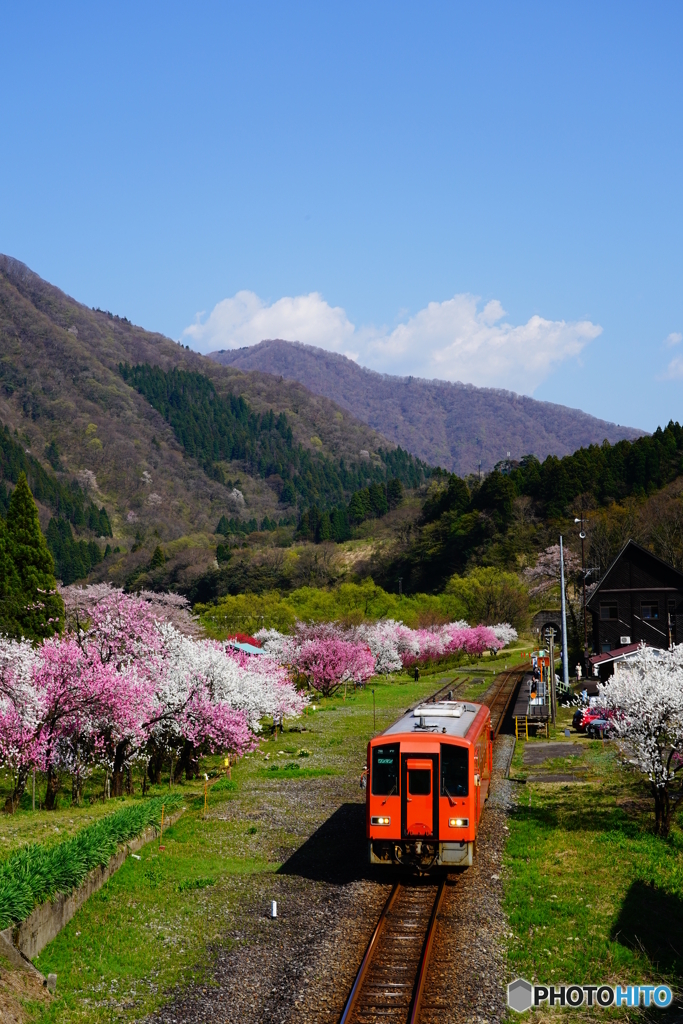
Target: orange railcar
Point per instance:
(428, 778)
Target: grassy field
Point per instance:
(592, 894)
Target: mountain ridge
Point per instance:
(453, 425)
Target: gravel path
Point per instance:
(301, 966)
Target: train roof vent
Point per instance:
(442, 709)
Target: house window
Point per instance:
(649, 610)
(605, 648)
(609, 611)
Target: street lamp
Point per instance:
(582, 535)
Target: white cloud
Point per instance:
(674, 370)
(675, 338)
(246, 319)
(452, 340)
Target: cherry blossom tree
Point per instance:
(505, 633)
(545, 574)
(383, 640)
(81, 700)
(647, 700)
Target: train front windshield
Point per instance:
(385, 770)
(454, 770)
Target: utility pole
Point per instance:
(565, 654)
(582, 535)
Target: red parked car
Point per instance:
(584, 716)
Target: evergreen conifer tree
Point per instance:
(158, 558)
(39, 608)
(9, 586)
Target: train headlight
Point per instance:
(381, 820)
(458, 822)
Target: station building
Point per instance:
(638, 600)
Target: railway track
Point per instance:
(499, 695)
(390, 984)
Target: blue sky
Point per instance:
(485, 192)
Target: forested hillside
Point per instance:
(153, 467)
(631, 489)
(87, 438)
(214, 429)
(456, 426)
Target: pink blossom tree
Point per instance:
(329, 662)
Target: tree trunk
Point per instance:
(52, 789)
(129, 781)
(186, 762)
(665, 814)
(119, 760)
(155, 765)
(12, 801)
(663, 810)
(76, 790)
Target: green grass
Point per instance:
(38, 873)
(591, 893)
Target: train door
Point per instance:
(477, 785)
(419, 796)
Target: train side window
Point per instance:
(454, 770)
(385, 770)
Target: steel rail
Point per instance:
(501, 711)
(365, 963)
(426, 952)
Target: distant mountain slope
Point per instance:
(65, 401)
(449, 425)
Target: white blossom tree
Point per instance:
(647, 700)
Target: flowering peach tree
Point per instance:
(124, 684)
(391, 646)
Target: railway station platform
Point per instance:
(532, 708)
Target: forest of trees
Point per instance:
(607, 472)
(215, 428)
(67, 500)
(371, 502)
